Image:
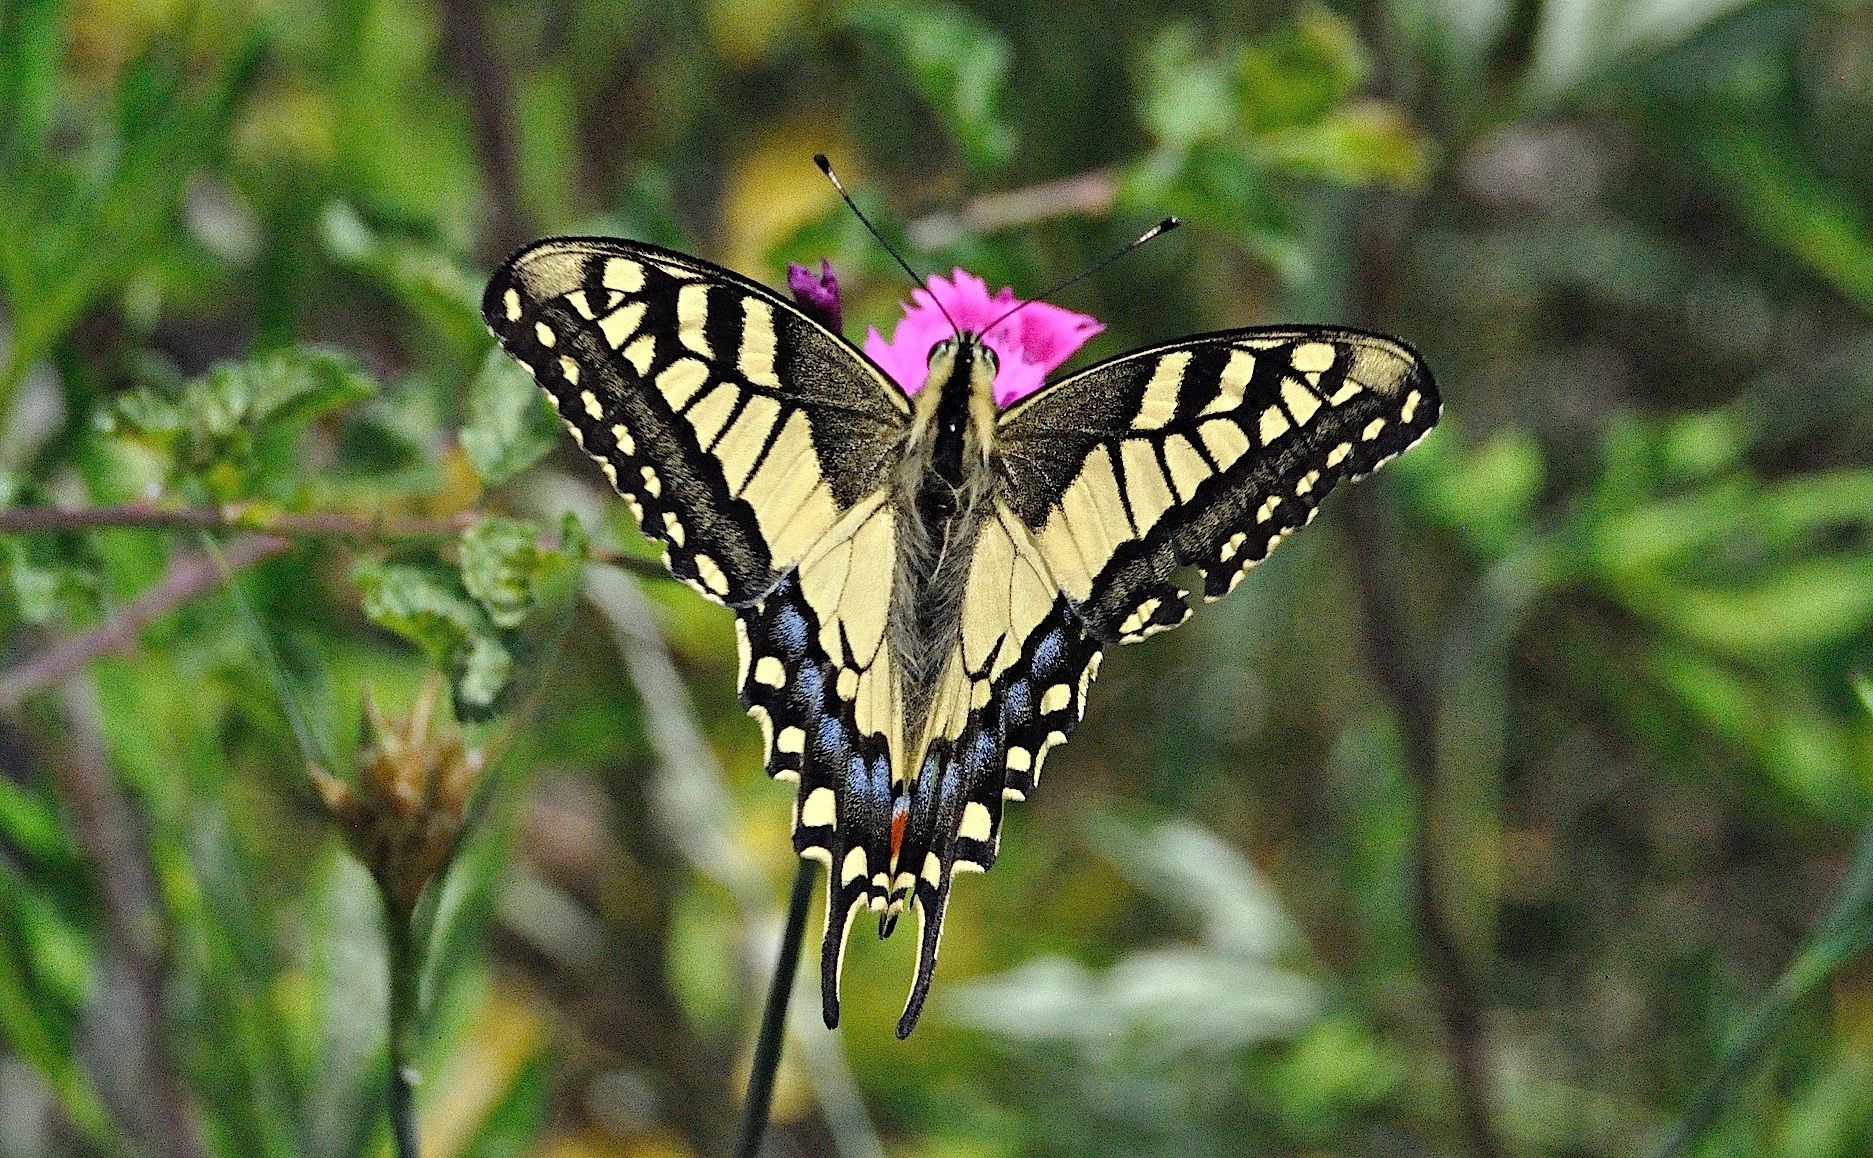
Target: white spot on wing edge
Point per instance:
(820, 809)
(1312, 357)
(976, 823)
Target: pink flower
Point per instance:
(1030, 345)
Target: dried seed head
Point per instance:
(405, 817)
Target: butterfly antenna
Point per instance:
(825, 166)
(1156, 231)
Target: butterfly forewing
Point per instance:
(739, 429)
(1205, 452)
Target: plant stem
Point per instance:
(405, 978)
(760, 1099)
(307, 524)
(185, 579)
(1388, 645)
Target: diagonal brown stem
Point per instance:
(1387, 645)
(185, 579)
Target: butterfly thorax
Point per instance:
(942, 490)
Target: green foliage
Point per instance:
(236, 431)
(1627, 746)
(957, 64)
(467, 618)
(510, 426)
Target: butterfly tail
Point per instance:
(931, 898)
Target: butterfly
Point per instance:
(924, 585)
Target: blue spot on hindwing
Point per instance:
(982, 753)
(811, 680)
(790, 631)
(832, 736)
(1017, 701)
(1048, 652)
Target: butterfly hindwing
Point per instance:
(739, 429)
(1014, 688)
(1205, 452)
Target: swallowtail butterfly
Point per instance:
(924, 585)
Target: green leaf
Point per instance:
(1487, 494)
(507, 571)
(1802, 605)
(30, 58)
(1795, 209)
(40, 1036)
(35, 588)
(30, 825)
(510, 425)
(427, 605)
(1368, 143)
(512, 1126)
(1845, 934)
(430, 282)
(957, 63)
(1186, 96)
(1296, 73)
(237, 427)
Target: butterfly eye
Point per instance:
(995, 363)
(942, 347)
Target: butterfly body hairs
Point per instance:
(924, 580)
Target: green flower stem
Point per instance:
(406, 970)
(760, 1099)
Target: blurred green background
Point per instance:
(1511, 810)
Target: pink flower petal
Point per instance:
(1030, 345)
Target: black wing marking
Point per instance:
(738, 428)
(1032, 706)
(1207, 452)
(842, 809)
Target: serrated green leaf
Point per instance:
(510, 425)
(507, 571)
(478, 674)
(234, 426)
(427, 605)
(294, 385)
(957, 63)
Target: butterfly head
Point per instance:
(955, 407)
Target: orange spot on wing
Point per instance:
(900, 814)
